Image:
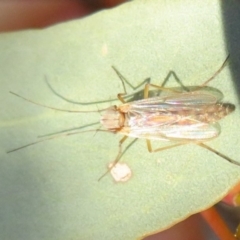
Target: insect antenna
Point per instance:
(68, 130)
(56, 136)
(58, 109)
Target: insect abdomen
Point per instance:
(215, 112)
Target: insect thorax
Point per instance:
(112, 119)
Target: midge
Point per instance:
(180, 116)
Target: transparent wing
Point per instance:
(199, 96)
(175, 132)
(174, 116)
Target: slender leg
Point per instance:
(218, 153)
(124, 80)
(120, 149)
(120, 97)
(148, 84)
(171, 73)
(202, 85)
(146, 90)
(149, 146)
(177, 79)
(217, 72)
(117, 157)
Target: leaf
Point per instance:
(50, 190)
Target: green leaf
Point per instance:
(50, 190)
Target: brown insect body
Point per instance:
(181, 115)
(160, 118)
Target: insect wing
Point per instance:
(202, 96)
(196, 96)
(175, 132)
(173, 117)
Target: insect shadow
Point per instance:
(180, 115)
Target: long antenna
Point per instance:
(58, 109)
(57, 136)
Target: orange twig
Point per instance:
(216, 222)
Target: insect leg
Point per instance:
(218, 153)
(177, 79)
(146, 90)
(149, 146)
(217, 72)
(203, 84)
(124, 80)
(120, 97)
(117, 157)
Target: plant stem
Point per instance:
(213, 218)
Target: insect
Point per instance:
(180, 116)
